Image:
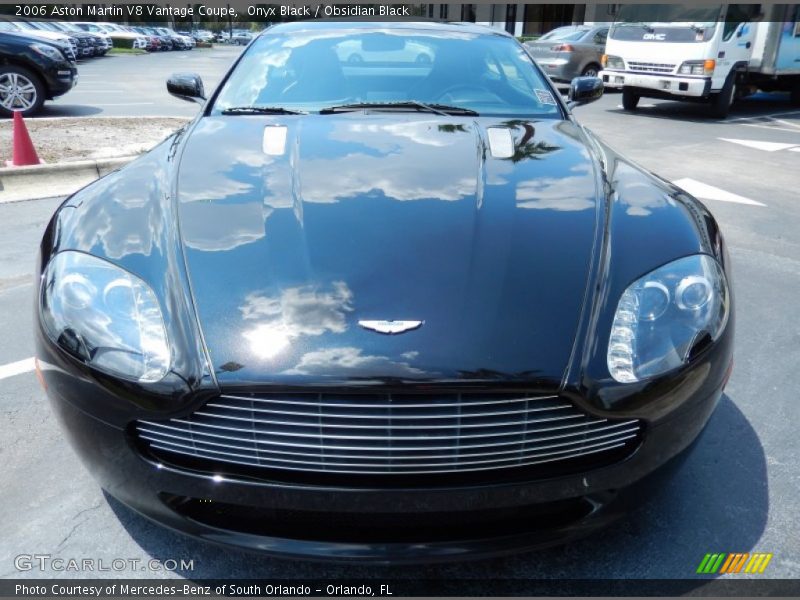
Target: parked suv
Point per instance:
(32, 70)
(67, 44)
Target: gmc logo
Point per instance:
(655, 36)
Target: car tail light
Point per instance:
(563, 48)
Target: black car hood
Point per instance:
(297, 228)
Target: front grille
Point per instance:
(649, 67)
(388, 434)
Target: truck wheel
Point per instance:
(721, 103)
(629, 99)
(20, 90)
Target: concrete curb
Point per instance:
(48, 181)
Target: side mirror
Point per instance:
(187, 86)
(583, 90)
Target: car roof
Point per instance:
(421, 25)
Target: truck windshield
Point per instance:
(665, 22)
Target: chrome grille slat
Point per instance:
(378, 437)
(394, 416)
(380, 427)
(158, 438)
(650, 67)
(387, 434)
(410, 472)
(363, 405)
(527, 455)
(585, 429)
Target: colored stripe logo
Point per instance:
(736, 562)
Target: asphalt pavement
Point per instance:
(736, 492)
(135, 85)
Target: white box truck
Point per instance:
(706, 53)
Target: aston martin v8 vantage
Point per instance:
(383, 310)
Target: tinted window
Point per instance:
(490, 74)
(564, 34)
(600, 36)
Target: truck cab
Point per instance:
(682, 52)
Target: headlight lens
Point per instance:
(48, 51)
(105, 316)
(613, 62)
(697, 67)
(664, 315)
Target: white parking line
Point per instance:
(765, 116)
(17, 368)
(639, 106)
(125, 104)
(709, 192)
(770, 127)
(758, 145)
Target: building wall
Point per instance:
(524, 19)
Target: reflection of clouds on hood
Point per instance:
(636, 192)
(572, 193)
(425, 163)
(426, 133)
(301, 310)
(431, 176)
(219, 187)
(132, 205)
(345, 361)
(243, 224)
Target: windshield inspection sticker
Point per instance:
(545, 97)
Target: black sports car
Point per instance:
(388, 310)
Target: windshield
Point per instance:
(312, 71)
(666, 22)
(564, 34)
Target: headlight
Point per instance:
(662, 317)
(47, 51)
(105, 316)
(697, 67)
(613, 62)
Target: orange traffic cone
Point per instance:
(23, 151)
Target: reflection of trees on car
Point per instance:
(524, 148)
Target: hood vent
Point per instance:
(501, 144)
(274, 143)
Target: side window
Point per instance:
(600, 37)
(736, 15)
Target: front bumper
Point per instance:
(376, 525)
(61, 78)
(660, 85)
(558, 69)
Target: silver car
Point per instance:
(571, 51)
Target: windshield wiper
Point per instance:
(439, 109)
(261, 110)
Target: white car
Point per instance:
(241, 37)
(352, 52)
(94, 28)
(117, 32)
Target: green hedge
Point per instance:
(122, 42)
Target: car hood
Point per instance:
(47, 35)
(297, 228)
